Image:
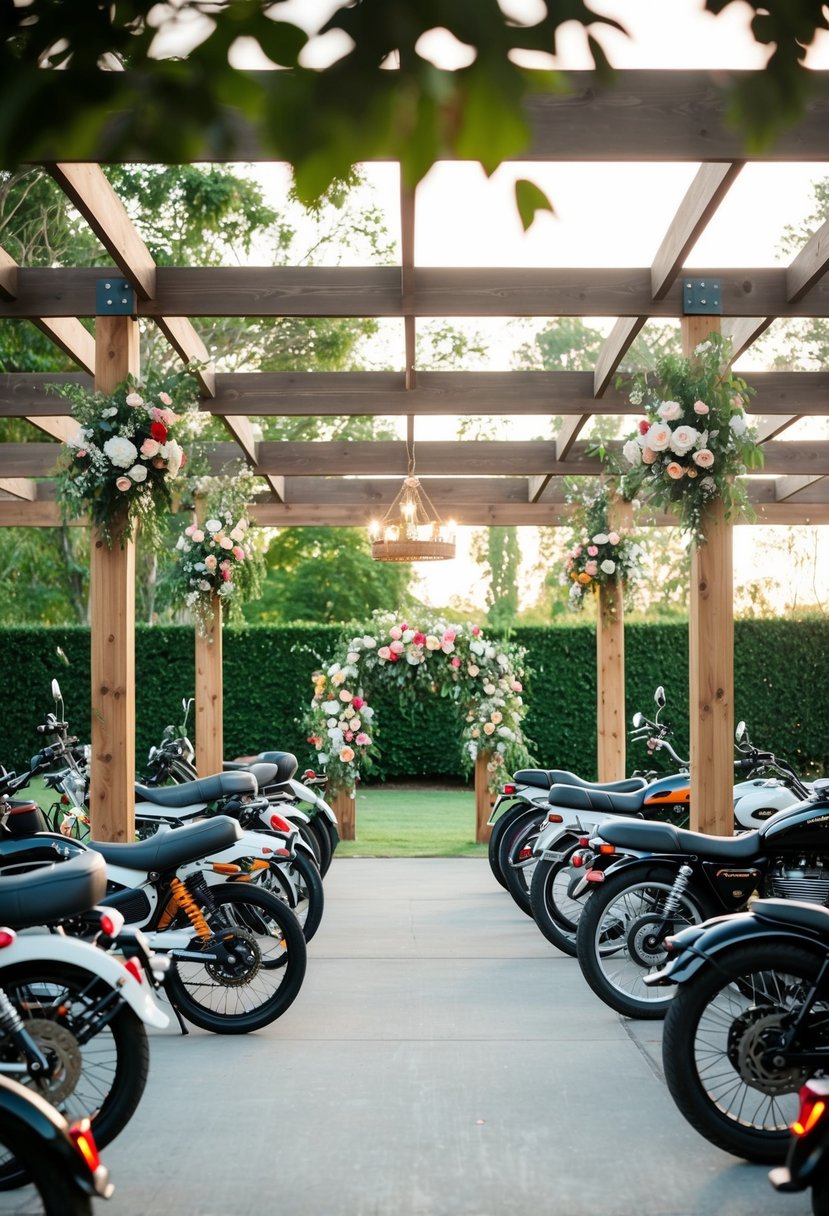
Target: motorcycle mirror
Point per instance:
(637, 720)
(740, 731)
(659, 697)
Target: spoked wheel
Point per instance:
(555, 899)
(718, 1047)
(620, 934)
(515, 855)
(254, 963)
(298, 884)
(103, 1076)
(500, 826)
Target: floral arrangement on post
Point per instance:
(484, 677)
(219, 559)
(597, 555)
(119, 467)
(694, 441)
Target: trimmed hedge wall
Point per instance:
(267, 681)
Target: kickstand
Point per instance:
(175, 1009)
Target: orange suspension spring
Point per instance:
(184, 900)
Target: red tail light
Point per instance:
(812, 1109)
(7, 937)
(279, 824)
(81, 1136)
(595, 876)
(309, 775)
(509, 789)
(554, 817)
(525, 853)
(584, 841)
(607, 849)
(577, 860)
(135, 969)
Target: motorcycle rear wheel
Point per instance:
(498, 828)
(52, 1193)
(270, 938)
(555, 911)
(521, 834)
(713, 1044)
(102, 1078)
(619, 936)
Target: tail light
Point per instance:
(80, 1134)
(812, 1109)
(509, 789)
(279, 824)
(584, 841)
(309, 775)
(135, 969)
(525, 854)
(554, 817)
(7, 937)
(112, 922)
(607, 849)
(595, 876)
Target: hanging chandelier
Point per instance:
(411, 530)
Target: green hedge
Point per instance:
(267, 681)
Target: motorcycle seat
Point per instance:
(167, 850)
(52, 892)
(793, 912)
(582, 798)
(285, 762)
(651, 837)
(204, 789)
(545, 778)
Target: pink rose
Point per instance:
(189, 530)
(165, 398)
(225, 575)
(700, 407)
(455, 661)
(238, 553)
(345, 695)
(591, 568)
(150, 447)
(210, 562)
(476, 629)
(446, 646)
(674, 470)
(349, 735)
(592, 551)
(577, 551)
(363, 740)
(449, 635)
(357, 702)
(613, 538)
(397, 648)
(81, 453)
(704, 458)
(419, 639)
(517, 686)
(648, 456)
(198, 535)
(123, 484)
(396, 633)
(384, 653)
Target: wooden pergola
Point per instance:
(653, 116)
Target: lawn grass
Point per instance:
(414, 821)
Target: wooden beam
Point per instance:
(90, 193)
(381, 457)
(709, 187)
(8, 276)
(57, 425)
(810, 264)
(374, 291)
(72, 338)
(19, 487)
(611, 721)
(788, 487)
(614, 348)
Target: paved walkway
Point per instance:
(442, 1059)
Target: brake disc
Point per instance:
(645, 940)
(753, 1036)
(64, 1053)
(242, 958)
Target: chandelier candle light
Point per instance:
(411, 530)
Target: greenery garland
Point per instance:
(597, 555)
(694, 442)
(429, 658)
(121, 466)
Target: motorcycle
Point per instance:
(72, 1013)
(659, 878)
(271, 853)
(559, 885)
(748, 1024)
(275, 772)
(60, 1159)
(807, 1161)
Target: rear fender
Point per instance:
(58, 948)
(701, 945)
(306, 794)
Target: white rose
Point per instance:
(669, 411)
(738, 424)
(213, 525)
(331, 707)
(608, 566)
(600, 538)
(632, 452)
(683, 439)
(120, 452)
(138, 472)
(173, 454)
(657, 438)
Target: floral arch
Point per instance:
(483, 677)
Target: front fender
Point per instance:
(42, 947)
(700, 945)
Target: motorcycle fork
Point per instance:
(93, 1019)
(11, 1023)
(785, 1056)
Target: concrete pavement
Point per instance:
(442, 1059)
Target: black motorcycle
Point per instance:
(651, 879)
(748, 1024)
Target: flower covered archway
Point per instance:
(482, 677)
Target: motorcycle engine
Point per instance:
(806, 879)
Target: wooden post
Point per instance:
(711, 654)
(209, 686)
(112, 613)
(483, 804)
(344, 807)
(610, 667)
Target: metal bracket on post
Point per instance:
(701, 297)
(114, 297)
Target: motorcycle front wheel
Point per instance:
(516, 848)
(101, 1076)
(620, 934)
(717, 1038)
(498, 828)
(554, 906)
(261, 968)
